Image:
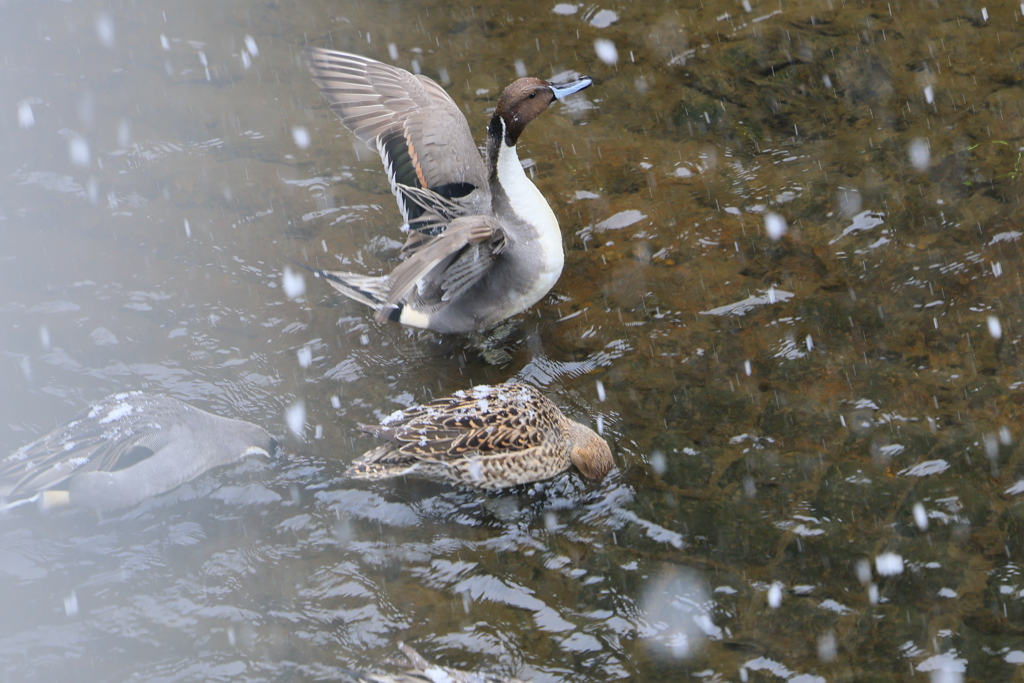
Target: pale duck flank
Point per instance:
(413, 318)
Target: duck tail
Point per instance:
(371, 471)
(367, 290)
(375, 471)
(374, 465)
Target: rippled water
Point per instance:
(792, 263)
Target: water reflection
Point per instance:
(161, 165)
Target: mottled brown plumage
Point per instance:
(489, 437)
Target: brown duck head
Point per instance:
(525, 100)
(590, 453)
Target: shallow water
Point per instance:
(792, 270)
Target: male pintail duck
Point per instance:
(126, 448)
(489, 437)
(423, 671)
(483, 243)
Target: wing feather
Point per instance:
(374, 99)
(429, 263)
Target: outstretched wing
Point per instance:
(421, 135)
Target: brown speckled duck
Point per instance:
(483, 243)
(489, 437)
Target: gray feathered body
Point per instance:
(126, 448)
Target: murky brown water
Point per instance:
(786, 414)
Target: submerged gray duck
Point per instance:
(483, 245)
(125, 449)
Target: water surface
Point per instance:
(791, 301)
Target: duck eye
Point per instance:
(532, 95)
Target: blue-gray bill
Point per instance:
(565, 89)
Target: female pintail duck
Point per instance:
(423, 671)
(489, 437)
(483, 243)
(126, 448)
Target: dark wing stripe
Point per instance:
(399, 160)
(453, 190)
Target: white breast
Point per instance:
(530, 206)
